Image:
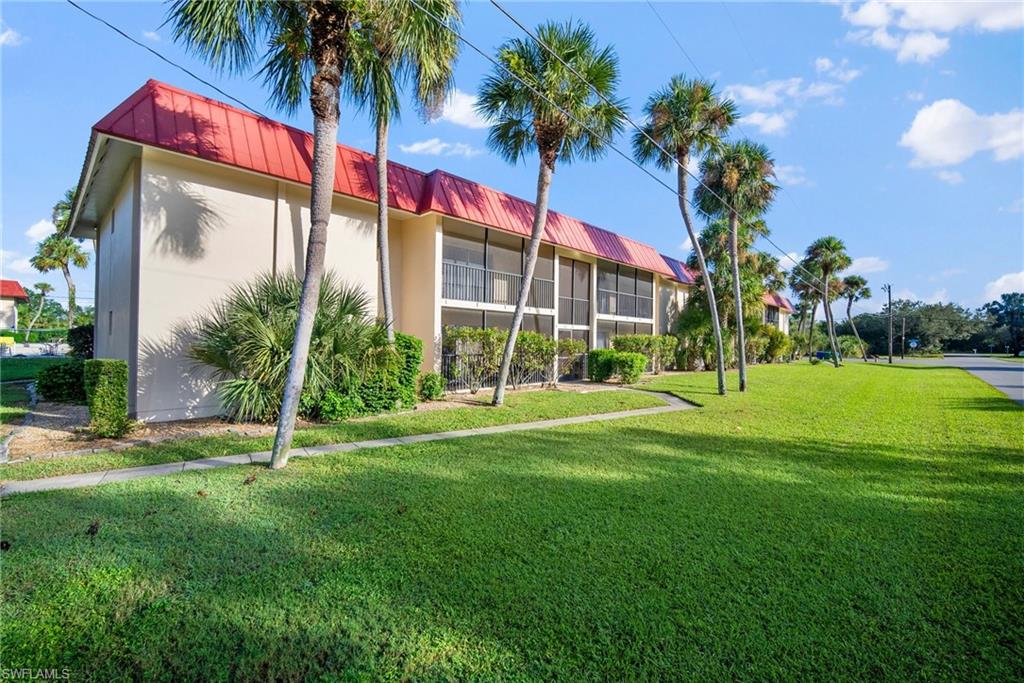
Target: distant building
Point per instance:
(11, 294)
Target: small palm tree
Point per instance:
(59, 251)
(683, 118)
(737, 181)
(855, 288)
(829, 254)
(518, 98)
(42, 288)
(399, 42)
(802, 280)
(302, 48)
(62, 211)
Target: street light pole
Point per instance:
(888, 290)
(903, 340)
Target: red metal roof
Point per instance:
(12, 289)
(163, 116)
(680, 271)
(775, 299)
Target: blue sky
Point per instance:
(898, 128)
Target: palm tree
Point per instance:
(683, 118)
(43, 288)
(302, 48)
(400, 42)
(59, 251)
(855, 288)
(736, 181)
(62, 211)
(829, 253)
(527, 98)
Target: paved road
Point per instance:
(1006, 376)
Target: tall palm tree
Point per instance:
(59, 251)
(683, 118)
(301, 48)
(43, 288)
(855, 288)
(62, 210)
(737, 181)
(829, 253)
(399, 42)
(526, 98)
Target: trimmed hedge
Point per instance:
(629, 366)
(106, 388)
(603, 364)
(63, 383)
(431, 386)
(660, 350)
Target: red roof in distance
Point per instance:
(775, 299)
(12, 289)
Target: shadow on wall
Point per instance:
(366, 224)
(182, 217)
(171, 385)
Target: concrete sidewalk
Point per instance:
(75, 481)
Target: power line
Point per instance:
(624, 115)
(163, 58)
(676, 40)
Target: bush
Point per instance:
(601, 364)
(484, 345)
(629, 366)
(63, 383)
(80, 339)
(410, 351)
(431, 386)
(106, 388)
(331, 406)
(660, 350)
(777, 344)
(569, 351)
(534, 354)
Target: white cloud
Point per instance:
(40, 230)
(865, 265)
(1016, 206)
(775, 93)
(948, 132)
(11, 262)
(946, 274)
(773, 123)
(1011, 282)
(686, 246)
(460, 109)
(917, 24)
(11, 38)
(841, 71)
(151, 35)
(823, 64)
(436, 147)
(936, 297)
(791, 175)
(950, 177)
(915, 95)
(790, 261)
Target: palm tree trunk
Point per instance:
(383, 253)
(828, 326)
(705, 275)
(324, 101)
(849, 316)
(540, 218)
(810, 330)
(734, 257)
(71, 296)
(39, 312)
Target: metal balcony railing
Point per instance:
(573, 311)
(462, 282)
(629, 305)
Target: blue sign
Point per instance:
(913, 343)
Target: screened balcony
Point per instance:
(462, 282)
(624, 291)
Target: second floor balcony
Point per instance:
(462, 282)
(626, 305)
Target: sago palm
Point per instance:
(829, 254)
(300, 48)
(855, 288)
(683, 118)
(42, 288)
(399, 44)
(736, 181)
(536, 104)
(60, 252)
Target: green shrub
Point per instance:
(601, 364)
(63, 383)
(431, 386)
(332, 406)
(660, 350)
(777, 343)
(391, 384)
(486, 345)
(534, 353)
(80, 340)
(629, 366)
(106, 388)
(569, 351)
(410, 350)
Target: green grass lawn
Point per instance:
(860, 523)
(527, 406)
(26, 368)
(14, 400)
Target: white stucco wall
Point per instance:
(114, 274)
(8, 314)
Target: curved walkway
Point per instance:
(74, 481)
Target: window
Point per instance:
(463, 245)
(605, 332)
(504, 252)
(625, 328)
(455, 317)
(606, 276)
(627, 280)
(643, 328)
(624, 291)
(545, 262)
(645, 284)
(544, 324)
(581, 280)
(771, 315)
(110, 323)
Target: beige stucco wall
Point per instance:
(114, 271)
(8, 314)
(416, 282)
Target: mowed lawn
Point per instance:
(858, 523)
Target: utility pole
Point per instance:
(888, 290)
(903, 340)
